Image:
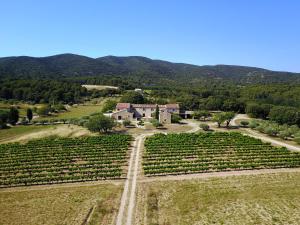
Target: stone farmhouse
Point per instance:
(127, 111)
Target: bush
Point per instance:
(253, 124)
(141, 123)
(204, 126)
(244, 123)
(126, 123)
(175, 118)
(156, 123)
(100, 123)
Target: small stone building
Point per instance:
(127, 111)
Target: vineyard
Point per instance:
(63, 160)
(207, 152)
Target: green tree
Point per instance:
(3, 119)
(133, 97)
(100, 123)
(201, 114)
(258, 110)
(219, 118)
(13, 115)
(228, 117)
(29, 114)
(157, 112)
(283, 114)
(109, 105)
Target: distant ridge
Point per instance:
(71, 65)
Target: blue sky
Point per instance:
(263, 33)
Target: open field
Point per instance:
(98, 87)
(233, 200)
(60, 205)
(207, 152)
(22, 107)
(24, 134)
(74, 112)
(63, 160)
(18, 131)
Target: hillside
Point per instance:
(70, 65)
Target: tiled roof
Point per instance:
(127, 106)
(144, 105)
(123, 106)
(172, 106)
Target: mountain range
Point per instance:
(75, 66)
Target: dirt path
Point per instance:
(260, 136)
(217, 174)
(271, 140)
(124, 198)
(128, 198)
(195, 126)
(239, 117)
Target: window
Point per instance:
(119, 117)
(144, 115)
(143, 109)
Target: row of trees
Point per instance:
(12, 116)
(274, 129)
(280, 114)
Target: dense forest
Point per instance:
(57, 79)
(42, 91)
(138, 69)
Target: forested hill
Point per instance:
(134, 67)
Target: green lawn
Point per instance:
(60, 205)
(17, 131)
(253, 199)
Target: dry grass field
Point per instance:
(98, 87)
(60, 204)
(241, 200)
(14, 133)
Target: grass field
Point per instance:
(235, 200)
(15, 132)
(60, 205)
(98, 87)
(75, 112)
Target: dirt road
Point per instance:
(217, 174)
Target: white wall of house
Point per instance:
(122, 115)
(145, 112)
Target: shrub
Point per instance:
(175, 118)
(244, 123)
(253, 124)
(126, 123)
(141, 123)
(155, 123)
(204, 126)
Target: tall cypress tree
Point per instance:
(29, 114)
(157, 112)
(13, 115)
